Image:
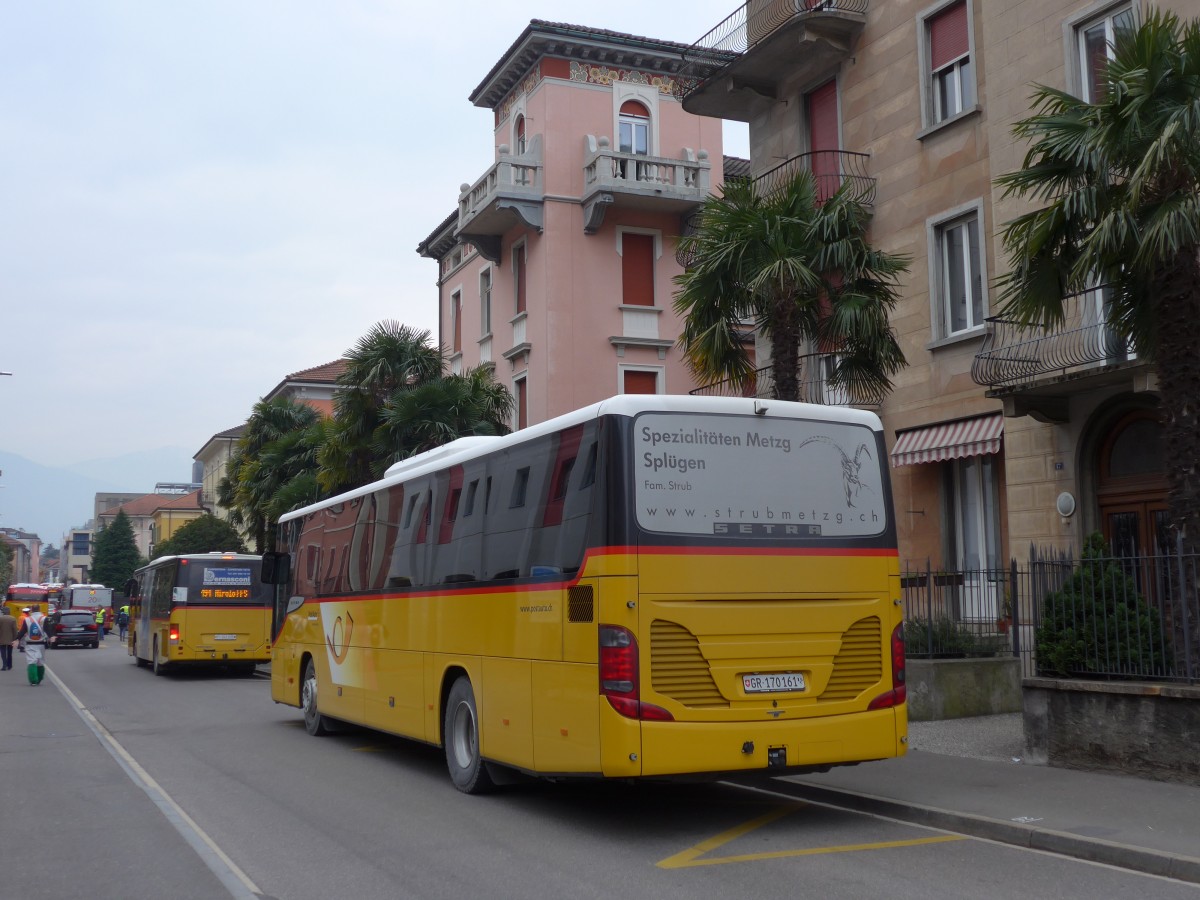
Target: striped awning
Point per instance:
(949, 440)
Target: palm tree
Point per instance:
(278, 443)
(394, 400)
(439, 411)
(802, 269)
(1118, 183)
(389, 357)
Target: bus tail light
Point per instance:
(899, 692)
(173, 634)
(619, 675)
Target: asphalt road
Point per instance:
(250, 805)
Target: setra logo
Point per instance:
(339, 640)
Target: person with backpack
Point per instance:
(123, 621)
(33, 630)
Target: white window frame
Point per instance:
(516, 395)
(1074, 28)
(964, 71)
(485, 300)
(940, 289)
(647, 96)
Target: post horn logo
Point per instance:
(339, 641)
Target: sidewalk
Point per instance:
(967, 776)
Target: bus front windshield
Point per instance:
(220, 582)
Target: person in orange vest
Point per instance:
(33, 630)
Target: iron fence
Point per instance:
(1118, 617)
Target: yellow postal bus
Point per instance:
(200, 609)
(652, 586)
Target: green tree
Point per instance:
(280, 440)
(6, 566)
(1097, 623)
(1116, 185)
(803, 270)
(388, 358)
(394, 400)
(115, 554)
(202, 535)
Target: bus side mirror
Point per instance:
(276, 568)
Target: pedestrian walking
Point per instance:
(100, 622)
(33, 630)
(122, 621)
(8, 638)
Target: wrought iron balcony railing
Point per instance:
(749, 25)
(1013, 355)
(815, 387)
(831, 169)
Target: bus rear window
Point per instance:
(756, 477)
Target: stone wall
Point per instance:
(956, 688)
(1149, 730)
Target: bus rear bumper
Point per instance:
(681, 748)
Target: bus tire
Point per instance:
(461, 741)
(314, 723)
(156, 666)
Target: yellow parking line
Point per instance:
(691, 857)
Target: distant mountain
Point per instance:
(49, 500)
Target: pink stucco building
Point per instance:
(556, 268)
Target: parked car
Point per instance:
(72, 628)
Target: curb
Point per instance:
(1138, 859)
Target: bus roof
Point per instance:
(468, 448)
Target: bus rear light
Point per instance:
(173, 634)
(899, 692)
(619, 676)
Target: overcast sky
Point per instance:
(198, 198)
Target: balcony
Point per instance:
(1034, 369)
(831, 169)
(612, 178)
(509, 193)
(733, 72)
(815, 387)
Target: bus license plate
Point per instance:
(225, 637)
(771, 682)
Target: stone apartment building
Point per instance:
(999, 437)
(556, 268)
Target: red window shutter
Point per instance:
(823, 139)
(640, 382)
(633, 108)
(522, 401)
(456, 321)
(948, 35)
(637, 269)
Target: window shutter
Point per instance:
(633, 108)
(637, 269)
(948, 38)
(640, 382)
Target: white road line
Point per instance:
(236, 881)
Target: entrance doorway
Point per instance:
(1131, 486)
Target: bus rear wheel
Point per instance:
(314, 723)
(156, 665)
(461, 739)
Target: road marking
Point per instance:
(236, 881)
(691, 857)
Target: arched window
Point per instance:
(634, 128)
(519, 135)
